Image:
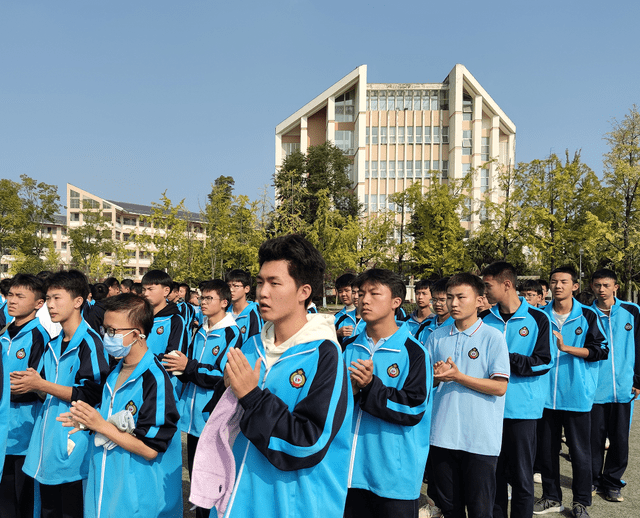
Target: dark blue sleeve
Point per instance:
(404, 405)
(595, 340)
(300, 439)
(39, 338)
(92, 373)
(540, 361)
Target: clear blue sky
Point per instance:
(128, 98)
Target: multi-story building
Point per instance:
(404, 133)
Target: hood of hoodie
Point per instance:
(168, 310)
(227, 321)
(319, 326)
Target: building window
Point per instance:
(367, 136)
(445, 135)
(409, 169)
(400, 169)
(383, 135)
(392, 169)
(445, 169)
(407, 100)
(484, 180)
(467, 138)
(399, 99)
(391, 100)
(290, 147)
(118, 235)
(374, 136)
(410, 135)
(383, 201)
(436, 135)
(129, 221)
(383, 169)
(344, 141)
(131, 254)
(90, 203)
(63, 245)
(436, 165)
(374, 101)
(418, 169)
(374, 169)
(444, 99)
(74, 199)
(366, 169)
(345, 106)
(392, 135)
(466, 212)
(418, 135)
(366, 202)
(401, 135)
(467, 107)
(382, 100)
(485, 149)
(483, 213)
(74, 216)
(416, 100)
(427, 135)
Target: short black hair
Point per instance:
(604, 273)
(544, 284)
(5, 284)
(384, 277)
(187, 293)
(157, 277)
(31, 282)
(136, 288)
(111, 282)
(566, 269)
(440, 286)
(73, 281)
(423, 285)
(175, 286)
(531, 285)
(345, 281)
(220, 287)
(138, 310)
(467, 279)
(238, 275)
(99, 291)
(501, 271)
(127, 283)
(304, 263)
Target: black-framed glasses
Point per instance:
(206, 299)
(111, 332)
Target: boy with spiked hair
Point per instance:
(23, 345)
(73, 368)
(471, 373)
(135, 466)
(345, 319)
(245, 312)
(391, 379)
(292, 384)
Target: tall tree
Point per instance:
(12, 217)
(91, 241)
(40, 206)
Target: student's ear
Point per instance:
(39, 304)
(78, 302)
(304, 292)
(247, 289)
(396, 302)
(166, 290)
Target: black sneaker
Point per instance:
(613, 495)
(579, 510)
(544, 506)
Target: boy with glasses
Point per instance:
(245, 312)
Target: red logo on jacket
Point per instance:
(298, 379)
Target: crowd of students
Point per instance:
(290, 412)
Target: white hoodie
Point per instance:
(319, 326)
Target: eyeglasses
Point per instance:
(236, 285)
(207, 300)
(438, 301)
(111, 332)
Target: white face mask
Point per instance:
(114, 344)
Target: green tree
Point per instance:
(40, 204)
(217, 216)
(438, 248)
(90, 241)
(12, 217)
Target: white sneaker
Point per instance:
(537, 478)
(429, 511)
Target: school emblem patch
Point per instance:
(393, 371)
(473, 353)
(131, 407)
(21, 354)
(216, 350)
(524, 331)
(243, 329)
(579, 331)
(160, 330)
(628, 326)
(298, 379)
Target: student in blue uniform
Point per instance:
(531, 290)
(203, 365)
(471, 370)
(528, 334)
(245, 312)
(168, 333)
(422, 291)
(5, 284)
(441, 316)
(73, 367)
(391, 377)
(135, 469)
(618, 385)
(295, 438)
(345, 319)
(581, 343)
(23, 345)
